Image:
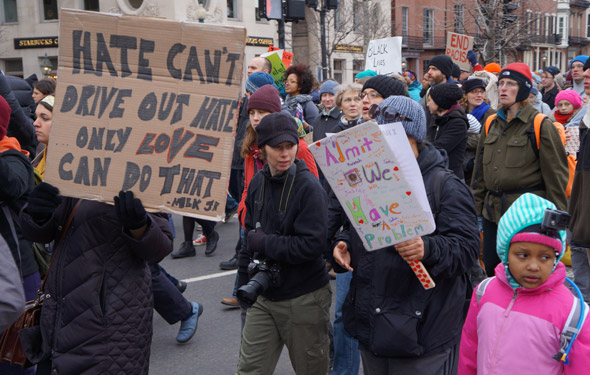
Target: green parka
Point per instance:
(506, 165)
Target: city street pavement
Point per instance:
(215, 347)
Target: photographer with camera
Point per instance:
(288, 295)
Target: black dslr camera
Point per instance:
(263, 273)
(554, 221)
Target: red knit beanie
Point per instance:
(520, 73)
(4, 117)
(265, 98)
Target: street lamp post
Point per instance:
(201, 13)
(46, 66)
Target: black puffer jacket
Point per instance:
(450, 134)
(299, 244)
(16, 180)
(387, 309)
(97, 313)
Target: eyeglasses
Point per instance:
(577, 66)
(388, 114)
(371, 95)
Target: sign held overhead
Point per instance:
(147, 105)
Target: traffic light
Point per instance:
(507, 9)
(311, 3)
(294, 10)
(270, 9)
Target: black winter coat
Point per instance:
(387, 309)
(450, 133)
(16, 180)
(326, 124)
(97, 313)
(299, 243)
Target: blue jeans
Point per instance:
(347, 357)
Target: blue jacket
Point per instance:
(414, 90)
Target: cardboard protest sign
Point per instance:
(457, 47)
(375, 176)
(385, 55)
(147, 105)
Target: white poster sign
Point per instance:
(385, 55)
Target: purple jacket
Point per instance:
(518, 331)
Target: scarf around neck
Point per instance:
(480, 111)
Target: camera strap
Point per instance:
(285, 195)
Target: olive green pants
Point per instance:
(300, 323)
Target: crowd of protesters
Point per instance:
(490, 146)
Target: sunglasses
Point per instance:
(388, 114)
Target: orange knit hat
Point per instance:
(493, 68)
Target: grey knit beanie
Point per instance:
(414, 119)
(328, 87)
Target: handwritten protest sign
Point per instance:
(278, 67)
(147, 105)
(457, 47)
(376, 178)
(286, 57)
(384, 55)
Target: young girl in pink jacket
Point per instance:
(516, 325)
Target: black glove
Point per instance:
(43, 200)
(255, 241)
(130, 211)
(471, 57)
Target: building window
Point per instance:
(588, 27)
(13, 67)
(425, 65)
(91, 5)
(560, 27)
(357, 67)
(459, 18)
(428, 36)
(9, 13)
(339, 69)
(405, 25)
(232, 9)
(50, 10)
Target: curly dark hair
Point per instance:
(304, 77)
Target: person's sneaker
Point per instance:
(230, 302)
(212, 243)
(201, 240)
(181, 286)
(186, 250)
(231, 264)
(188, 327)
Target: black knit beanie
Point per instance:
(446, 95)
(473, 83)
(443, 63)
(456, 72)
(385, 86)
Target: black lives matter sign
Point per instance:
(147, 105)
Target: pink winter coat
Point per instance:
(517, 331)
